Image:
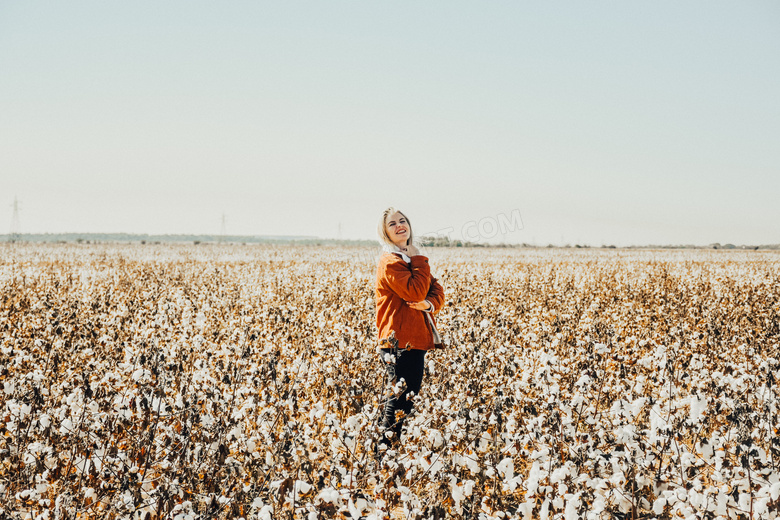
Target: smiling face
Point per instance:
(398, 229)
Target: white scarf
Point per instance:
(395, 249)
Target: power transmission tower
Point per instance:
(223, 229)
(16, 230)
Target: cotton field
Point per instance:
(230, 381)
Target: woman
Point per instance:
(407, 297)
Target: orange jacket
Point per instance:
(397, 283)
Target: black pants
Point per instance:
(409, 366)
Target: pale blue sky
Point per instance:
(599, 122)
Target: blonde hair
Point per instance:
(382, 228)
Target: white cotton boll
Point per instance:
(506, 468)
(126, 499)
(350, 443)
(695, 499)
(624, 504)
(200, 319)
(157, 404)
(457, 459)
(544, 511)
(66, 427)
(637, 405)
(89, 493)
(760, 506)
(744, 501)
(705, 448)
(532, 482)
(515, 482)
(584, 380)
(625, 434)
(73, 398)
(93, 407)
(617, 478)
(8, 387)
(436, 438)
(471, 463)
(329, 495)
(698, 408)
(352, 422)
(484, 323)
(302, 487)
(762, 455)
(435, 467)
(723, 500)
(659, 505)
(266, 513)
(559, 474)
(657, 422)
(572, 504)
(527, 508)
(250, 446)
(484, 442)
(774, 491)
(353, 511)
(456, 491)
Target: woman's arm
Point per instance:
(411, 282)
(433, 301)
(435, 295)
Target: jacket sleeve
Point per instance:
(435, 295)
(410, 282)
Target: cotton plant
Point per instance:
(242, 382)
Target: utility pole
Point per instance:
(16, 231)
(223, 228)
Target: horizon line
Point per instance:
(215, 237)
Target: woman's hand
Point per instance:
(424, 305)
(411, 250)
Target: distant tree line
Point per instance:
(424, 241)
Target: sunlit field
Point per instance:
(230, 381)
